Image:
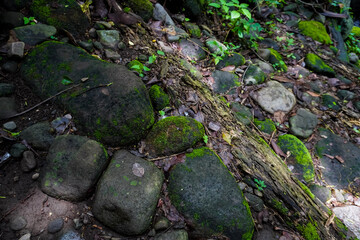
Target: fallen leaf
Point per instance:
(277, 149)
(279, 116)
(226, 137)
(282, 79)
(230, 68)
(138, 170)
(313, 94)
(329, 156)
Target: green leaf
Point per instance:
(206, 138)
(66, 81)
(146, 68)
(246, 13)
(235, 14)
(137, 66)
(187, 19)
(226, 9)
(26, 20)
(160, 53)
(126, 9)
(215, 5)
(162, 113)
(152, 59)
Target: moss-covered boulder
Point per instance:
(173, 135)
(112, 105)
(62, 14)
(242, 113)
(300, 160)
(315, 30)
(266, 126)
(316, 64)
(235, 59)
(73, 166)
(206, 193)
(254, 75)
(143, 8)
(225, 81)
(276, 60)
(330, 102)
(158, 97)
(127, 194)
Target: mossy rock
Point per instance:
(277, 61)
(330, 102)
(224, 81)
(267, 126)
(356, 31)
(119, 113)
(193, 29)
(143, 8)
(316, 64)
(315, 30)
(173, 135)
(206, 193)
(300, 157)
(158, 97)
(62, 14)
(242, 113)
(235, 59)
(254, 75)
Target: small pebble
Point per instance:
(17, 149)
(242, 185)
(28, 162)
(339, 197)
(55, 225)
(25, 237)
(9, 126)
(35, 176)
(258, 193)
(16, 178)
(77, 223)
(357, 202)
(161, 223)
(18, 223)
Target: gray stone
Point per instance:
(18, 223)
(264, 53)
(16, 49)
(88, 46)
(255, 202)
(71, 235)
(9, 66)
(269, 43)
(215, 46)
(254, 75)
(7, 107)
(160, 14)
(341, 175)
(264, 66)
(99, 46)
(353, 58)
(55, 225)
(165, 48)
(303, 123)
(126, 202)
(112, 54)
(73, 165)
(339, 197)
(193, 29)
(35, 176)
(34, 34)
(101, 25)
(103, 112)
(197, 186)
(109, 38)
(161, 224)
(345, 95)
(173, 235)
(242, 113)
(78, 223)
(17, 150)
(38, 135)
(6, 89)
(224, 81)
(28, 162)
(322, 193)
(350, 215)
(274, 97)
(172, 38)
(267, 233)
(26, 236)
(9, 126)
(67, 16)
(234, 59)
(192, 49)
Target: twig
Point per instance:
(40, 103)
(164, 157)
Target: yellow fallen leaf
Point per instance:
(226, 137)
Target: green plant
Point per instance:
(13, 134)
(162, 113)
(29, 20)
(259, 184)
(206, 138)
(152, 59)
(353, 44)
(237, 18)
(291, 55)
(274, 3)
(140, 68)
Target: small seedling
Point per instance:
(29, 20)
(161, 53)
(259, 184)
(206, 138)
(152, 59)
(162, 113)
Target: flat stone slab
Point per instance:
(34, 34)
(274, 97)
(206, 193)
(192, 49)
(118, 113)
(127, 194)
(344, 175)
(73, 165)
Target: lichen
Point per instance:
(300, 153)
(315, 30)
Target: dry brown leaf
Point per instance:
(277, 149)
(339, 158)
(230, 68)
(282, 79)
(279, 117)
(313, 94)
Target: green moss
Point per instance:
(308, 231)
(158, 97)
(267, 126)
(280, 207)
(306, 189)
(199, 152)
(299, 153)
(277, 61)
(356, 31)
(315, 63)
(315, 30)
